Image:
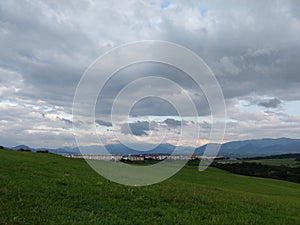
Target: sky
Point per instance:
(252, 47)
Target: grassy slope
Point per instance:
(49, 189)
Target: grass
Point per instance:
(49, 189)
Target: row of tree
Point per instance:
(260, 170)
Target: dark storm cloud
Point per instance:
(139, 128)
(271, 103)
(104, 123)
(174, 123)
(67, 121)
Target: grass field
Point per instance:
(49, 189)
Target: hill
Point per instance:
(21, 147)
(259, 147)
(50, 189)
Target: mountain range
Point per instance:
(258, 147)
(267, 146)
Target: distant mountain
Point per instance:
(21, 147)
(64, 150)
(257, 147)
(121, 149)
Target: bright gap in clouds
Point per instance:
(292, 108)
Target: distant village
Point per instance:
(156, 157)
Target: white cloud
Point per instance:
(252, 46)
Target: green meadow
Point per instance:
(40, 188)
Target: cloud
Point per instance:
(67, 121)
(251, 46)
(104, 123)
(139, 128)
(271, 103)
(205, 125)
(172, 123)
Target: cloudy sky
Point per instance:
(252, 47)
